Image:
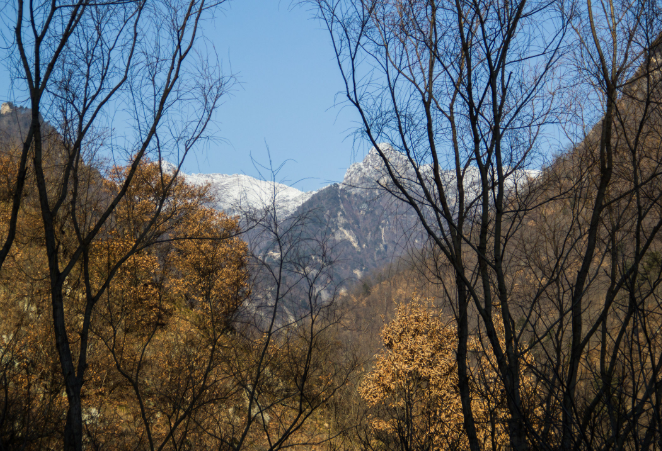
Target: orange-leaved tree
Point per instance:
(413, 388)
(165, 319)
(159, 333)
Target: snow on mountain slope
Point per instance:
(238, 192)
(367, 173)
(365, 225)
(364, 174)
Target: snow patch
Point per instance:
(239, 193)
(371, 173)
(344, 234)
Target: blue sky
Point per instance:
(288, 81)
(284, 99)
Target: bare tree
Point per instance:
(290, 364)
(466, 91)
(608, 279)
(457, 88)
(120, 82)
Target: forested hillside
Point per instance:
(174, 354)
(549, 289)
(515, 172)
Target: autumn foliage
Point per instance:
(159, 331)
(413, 388)
(182, 352)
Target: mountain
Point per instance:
(363, 223)
(365, 226)
(240, 193)
(15, 122)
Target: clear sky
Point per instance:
(288, 79)
(284, 99)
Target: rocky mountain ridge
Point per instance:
(364, 224)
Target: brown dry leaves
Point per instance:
(413, 388)
(159, 331)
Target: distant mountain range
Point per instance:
(238, 193)
(366, 226)
(363, 224)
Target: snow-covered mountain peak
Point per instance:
(365, 173)
(371, 173)
(240, 193)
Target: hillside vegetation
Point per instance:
(524, 311)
